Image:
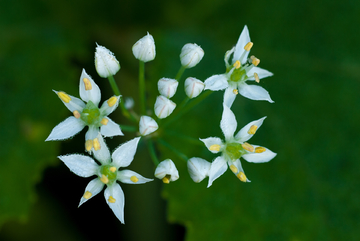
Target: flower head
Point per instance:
(107, 173)
(105, 62)
(235, 147)
(167, 87)
(144, 48)
(193, 87)
(147, 125)
(163, 107)
(238, 71)
(191, 55)
(167, 171)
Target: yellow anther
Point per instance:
(87, 195)
(104, 121)
(252, 129)
(235, 91)
(111, 199)
(64, 97)
(112, 101)
(87, 84)
(96, 144)
(88, 145)
(260, 149)
(248, 147)
(255, 61)
(104, 179)
(234, 169)
(76, 114)
(256, 78)
(166, 179)
(134, 179)
(215, 147)
(248, 46)
(237, 64)
(113, 169)
(241, 176)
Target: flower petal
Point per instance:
(89, 89)
(131, 177)
(167, 167)
(228, 123)
(218, 167)
(73, 104)
(239, 48)
(66, 129)
(216, 82)
(115, 198)
(124, 154)
(244, 135)
(259, 157)
(254, 92)
(110, 105)
(212, 141)
(94, 187)
(81, 165)
(198, 168)
(229, 96)
(110, 129)
(238, 169)
(262, 73)
(103, 154)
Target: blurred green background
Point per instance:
(308, 192)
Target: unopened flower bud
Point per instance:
(193, 87)
(144, 49)
(167, 171)
(105, 62)
(167, 87)
(129, 103)
(190, 55)
(147, 125)
(198, 168)
(163, 107)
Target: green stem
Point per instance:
(153, 152)
(178, 153)
(142, 86)
(176, 115)
(189, 139)
(180, 73)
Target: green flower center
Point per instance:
(238, 75)
(108, 174)
(234, 150)
(91, 114)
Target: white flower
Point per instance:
(167, 171)
(167, 87)
(87, 114)
(163, 107)
(105, 62)
(198, 168)
(144, 49)
(107, 173)
(238, 72)
(191, 55)
(235, 147)
(193, 87)
(147, 125)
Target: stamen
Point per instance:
(112, 101)
(104, 121)
(111, 199)
(241, 176)
(64, 97)
(87, 84)
(113, 169)
(104, 179)
(260, 149)
(88, 145)
(166, 179)
(235, 91)
(76, 114)
(87, 195)
(134, 179)
(215, 147)
(252, 129)
(248, 147)
(255, 61)
(96, 144)
(248, 46)
(234, 169)
(237, 64)
(256, 78)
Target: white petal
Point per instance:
(163, 107)
(131, 177)
(216, 82)
(190, 55)
(212, 141)
(106, 109)
(105, 62)
(92, 133)
(147, 125)
(73, 104)
(228, 123)
(254, 92)
(144, 48)
(259, 157)
(198, 168)
(227, 56)
(243, 134)
(167, 87)
(167, 167)
(110, 129)
(94, 187)
(124, 154)
(103, 154)
(117, 207)
(262, 73)
(93, 93)
(239, 48)
(229, 96)
(218, 167)
(193, 87)
(81, 165)
(238, 166)
(66, 129)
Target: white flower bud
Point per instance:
(105, 62)
(163, 107)
(144, 49)
(198, 168)
(167, 171)
(129, 103)
(167, 87)
(190, 55)
(147, 125)
(193, 87)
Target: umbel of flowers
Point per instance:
(153, 119)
